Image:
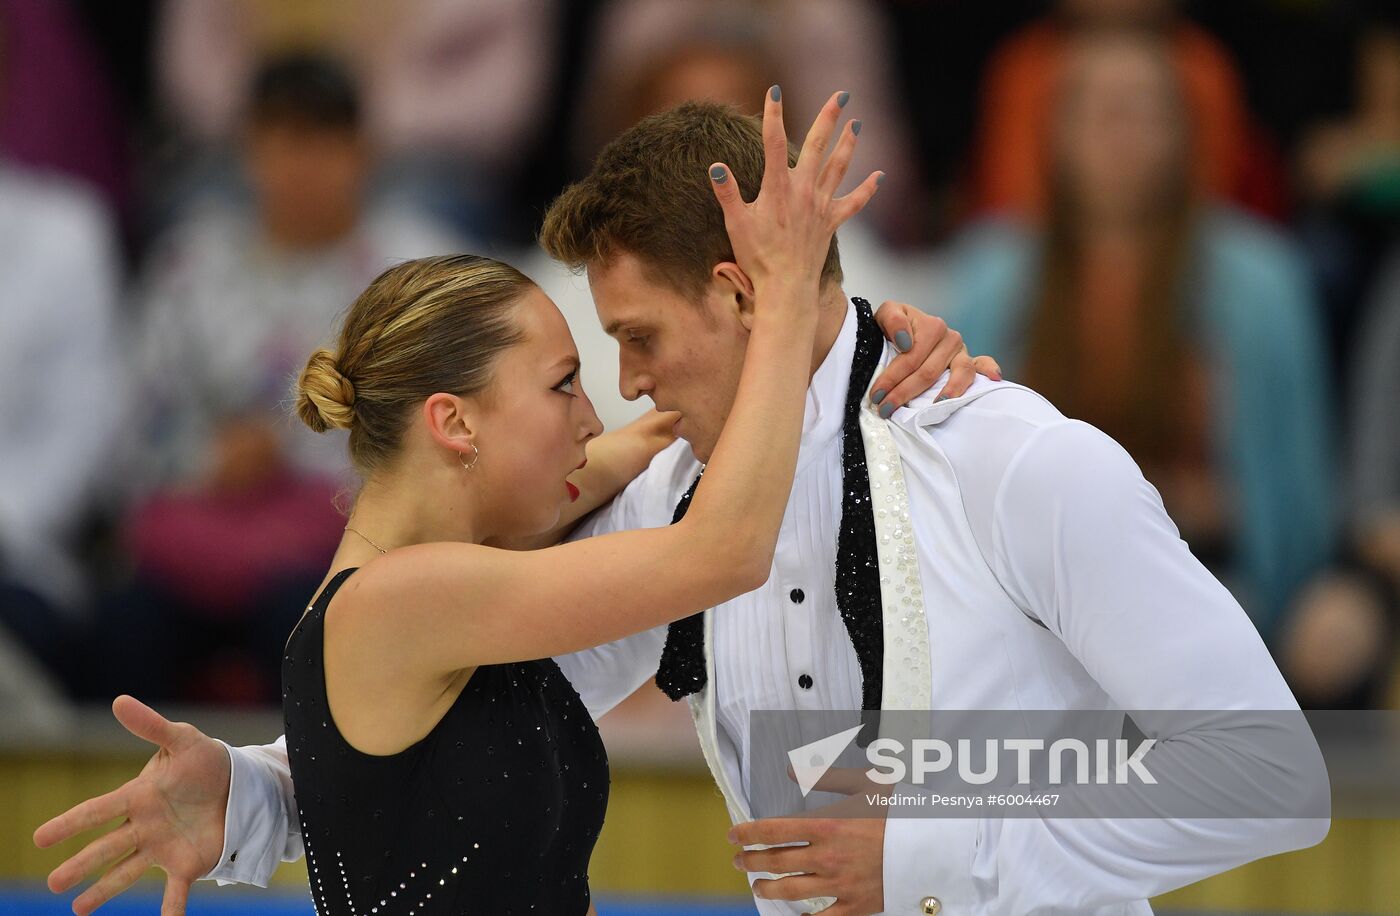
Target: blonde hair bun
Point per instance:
(423, 326)
(325, 398)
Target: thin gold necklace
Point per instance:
(371, 543)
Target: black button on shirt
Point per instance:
(797, 596)
(805, 682)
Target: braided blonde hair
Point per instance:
(424, 326)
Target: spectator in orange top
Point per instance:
(1009, 164)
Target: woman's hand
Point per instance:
(650, 433)
(616, 458)
(927, 347)
(785, 233)
(172, 816)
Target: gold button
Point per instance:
(931, 906)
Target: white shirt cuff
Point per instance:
(930, 857)
(254, 826)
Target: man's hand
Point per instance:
(927, 347)
(845, 852)
(844, 857)
(172, 816)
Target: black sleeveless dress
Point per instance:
(495, 811)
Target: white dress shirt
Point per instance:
(1052, 579)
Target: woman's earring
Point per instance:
(462, 457)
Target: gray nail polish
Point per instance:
(903, 342)
(776, 92)
(842, 99)
(886, 409)
(855, 127)
(878, 396)
(719, 174)
(879, 179)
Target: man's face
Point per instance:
(685, 355)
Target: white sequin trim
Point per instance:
(908, 672)
(318, 891)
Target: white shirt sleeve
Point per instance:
(261, 828)
(1081, 542)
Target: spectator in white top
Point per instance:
(58, 358)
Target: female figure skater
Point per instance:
(442, 763)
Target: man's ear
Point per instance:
(737, 290)
(450, 422)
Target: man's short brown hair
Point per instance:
(649, 195)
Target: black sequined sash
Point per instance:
(682, 669)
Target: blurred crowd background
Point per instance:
(1176, 220)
